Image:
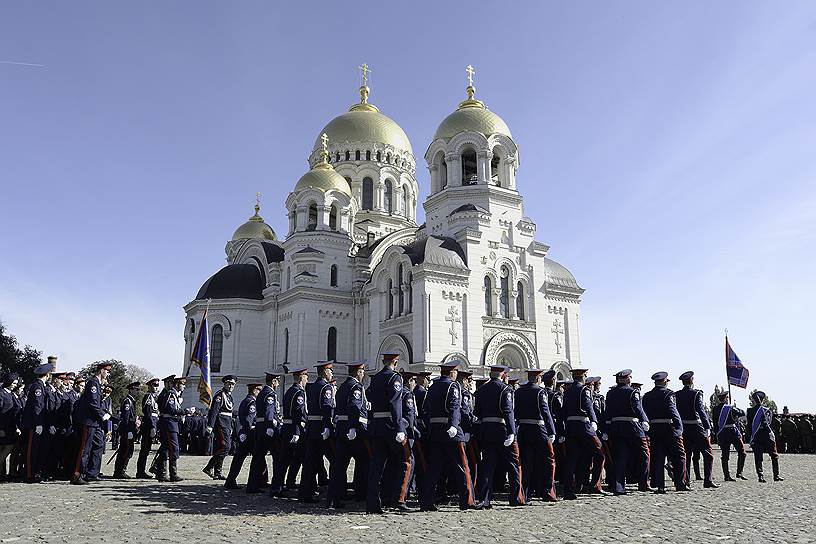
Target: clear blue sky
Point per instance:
(668, 156)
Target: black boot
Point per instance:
(160, 472)
(218, 475)
(726, 473)
(174, 477)
(775, 464)
(740, 466)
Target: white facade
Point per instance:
(355, 275)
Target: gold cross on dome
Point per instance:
(470, 71)
(364, 69)
(324, 139)
(257, 199)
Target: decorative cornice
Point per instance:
(509, 324)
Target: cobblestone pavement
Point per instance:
(202, 510)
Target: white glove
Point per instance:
(773, 437)
(551, 438)
(593, 427)
(325, 434)
(452, 431)
(510, 440)
(562, 439)
(467, 437)
(106, 416)
(352, 434)
(242, 438)
(52, 430)
(2, 434)
(269, 432)
(209, 430)
(604, 437)
(707, 433)
(400, 438)
(645, 426)
(295, 438)
(368, 405)
(130, 436)
(38, 429)
(152, 433)
(19, 432)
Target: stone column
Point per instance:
(483, 166)
(436, 183)
(405, 302)
(323, 217)
(454, 170)
(379, 196)
(496, 307)
(511, 302)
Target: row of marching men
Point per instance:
(407, 439)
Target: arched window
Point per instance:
(410, 292)
(357, 155)
(348, 180)
(192, 329)
(488, 289)
(388, 197)
(331, 344)
(494, 170)
(285, 346)
(469, 167)
(348, 155)
(406, 203)
(443, 174)
(400, 298)
(333, 276)
(368, 155)
(217, 348)
(337, 157)
(368, 193)
(333, 217)
(388, 158)
(520, 301)
(379, 156)
(504, 297)
(390, 296)
(312, 225)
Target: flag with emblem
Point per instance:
(201, 357)
(734, 369)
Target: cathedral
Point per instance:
(356, 276)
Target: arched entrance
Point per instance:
(511, 349)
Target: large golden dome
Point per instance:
(255, 229)
(364, 123)
(471, 116)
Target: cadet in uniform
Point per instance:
(267, 439)
(33, 424)
(445, 440)
(171, 415)
(293, 431)
(582, 439)
(696, 427)
(728, 435)
(53, 449)
(351, 414)
(220, 422)
(91, 416)
(247, 414)
(555, 400)
(388, 436)
(536, 435)
(149, 428)
(625, 426)
(763, 439)
(127, 431)
(666, 434)
(319, 426)
(9, 415)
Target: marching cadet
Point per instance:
(446, 441)
(267, 439)
(468, 423)
(696, 428)
(90, 416)
(388, 436)
(665, 434)
(149, 428)
(319, 426)
(420, 446)
(763, 439)
(497, 437)
(171, 416)
(9, 414)
(219, 421)
(625, 427)
(247, 421)
(52, 413)
(127, 431)
(412, 426)
(536, 434)
(582, 440)
(351, 413)
(161, 399)
(293, 429)
(555, 400)
(64, 425)
(728, 435)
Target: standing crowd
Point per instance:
(410, 437)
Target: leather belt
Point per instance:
(288, 421)
(381, 415)
(577, 418)
(362, 420)
(154, 414)
(173, 415)
(692, 422)
(314, 418)
(225, 413)
(626, 419)
(540, 422)
(660, 421)
(730, 425)
(493, 420)
(439, 420)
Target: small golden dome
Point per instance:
(364, 123)
(323, 176)
(255, 228)
(471, 116)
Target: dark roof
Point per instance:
(468, 208)
(274, 252)
(416, 249)
(234, 281)
(308, 249)
(307, 273)
(366, 250)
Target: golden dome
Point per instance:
(471, 116)
(255, 228)
(323, 176)
(364, 123)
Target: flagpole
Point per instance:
(190, 362)
(728, 381)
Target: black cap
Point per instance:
(660, 376)
(229, 378)
(131, 385)
(625, 373)
(43, 369)
(153, 381)
(686, 376)
(549, 375)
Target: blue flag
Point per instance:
(201, 357)
(736, 372)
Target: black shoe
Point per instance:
(741, 477)
(122, 476)
(729, 479)
(209, 472)
(619, 493)
(161, 477)
(779, 479)
(660, 491)
(683, 488)
(176, 479)
(93, 478)
(647, 489)
(570, 497)
(78, 481)
(698, 477)
(219, 476)
(309, 500)
(230, 484)
(594, 491)
(335, 505)
(710, 485)
(404, 508)
(762, 480)
(380, 510)
(144, 476)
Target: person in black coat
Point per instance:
(696, 428)
(727, 418)
(536, 435)
(625, 428)
(127, 431)
(763, 439)
(665, 434)
(9, 415)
